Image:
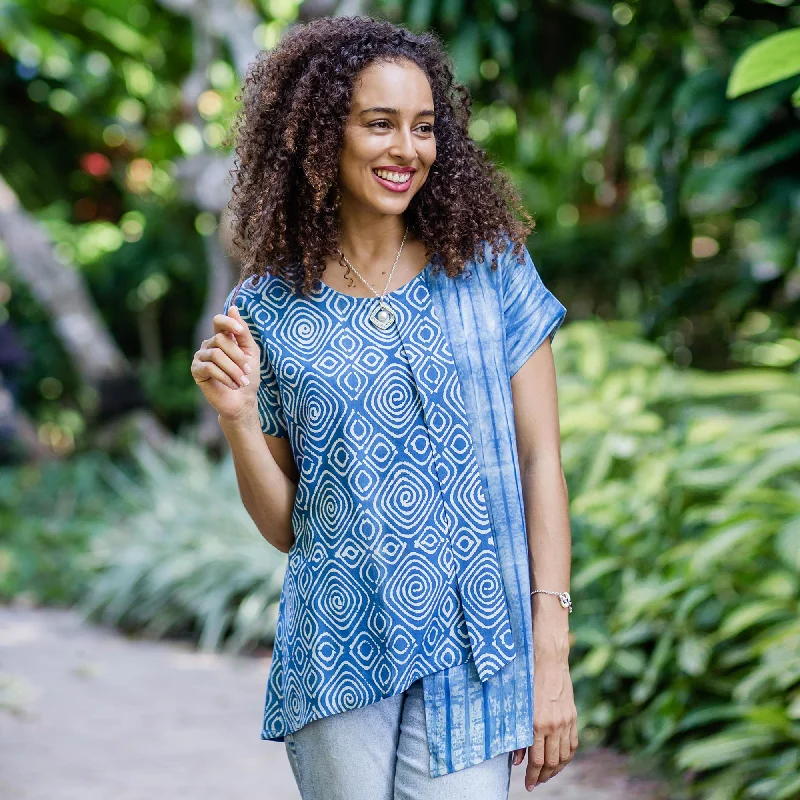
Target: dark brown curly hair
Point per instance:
(289, 132)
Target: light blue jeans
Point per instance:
(380, 752)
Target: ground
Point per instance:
(88, 714)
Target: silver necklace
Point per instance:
(381, 316)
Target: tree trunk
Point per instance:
(113, 388)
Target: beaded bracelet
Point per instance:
(566, 601)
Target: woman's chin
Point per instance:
(390, 205)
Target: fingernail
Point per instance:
(238, 328)
(247, 368)
(245, 381)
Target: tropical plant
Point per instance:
(685, 510)
(774, 59)
(189, 560)
(49, 513)
(685, 507)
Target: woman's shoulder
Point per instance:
(512, 261)
(488, 260)
(489, 250)
(500, 247)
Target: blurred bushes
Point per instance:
(157, 543)
(658, 198)
(685, 507)
(189, 561)
(660, 201)
(49, 516)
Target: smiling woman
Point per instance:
(335, 100)
(403, 662)
(387, 152)
(396, 177)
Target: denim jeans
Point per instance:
(380, 752)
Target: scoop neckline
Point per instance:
(393, 293)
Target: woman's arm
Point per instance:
(544, 488)
(264, 463)
(267, 491)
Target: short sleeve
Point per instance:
(270, 408)
(531, 312)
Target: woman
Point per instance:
(381, 440)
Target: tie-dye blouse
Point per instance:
(410, 557)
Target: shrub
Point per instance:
(189, 561)
(685, 508)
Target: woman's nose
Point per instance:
(403, 145)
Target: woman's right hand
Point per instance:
(227, 367)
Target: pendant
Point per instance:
(382, 316)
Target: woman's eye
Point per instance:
(426, 128)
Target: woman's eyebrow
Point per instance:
(426, 112)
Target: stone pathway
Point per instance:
(89, 714)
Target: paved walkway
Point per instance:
(88, 714)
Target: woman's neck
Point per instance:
(373, 255)
(373, 244)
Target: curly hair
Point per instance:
(289, 133)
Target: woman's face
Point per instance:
(389, 133)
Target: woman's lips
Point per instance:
(396, 187)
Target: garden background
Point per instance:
(660, 158)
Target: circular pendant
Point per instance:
(382, 316)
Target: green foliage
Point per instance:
(656, 146)
(685, 501)
(90, 142)
(658, 199)
(162, 545)
(188, 561)
(48, 515)
(772, 60)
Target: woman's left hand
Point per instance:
(555, 722)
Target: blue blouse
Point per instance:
(410, 556)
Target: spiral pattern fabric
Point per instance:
(394, 573)
(411, 550)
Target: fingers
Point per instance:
(544, 761)
(233, 324)
(228, 323)
(230, 346)
(550, 753)
(553, 763)
(564, 752)
(227, 329)
(203, 370)
(551, 756)
(569, 740)
(227, 354)
(231, 369)
(535, 761)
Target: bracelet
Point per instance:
(566, 601)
